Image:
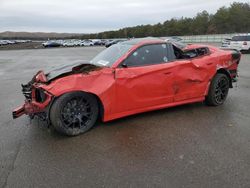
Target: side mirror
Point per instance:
(124, 65)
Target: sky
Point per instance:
(91, 16)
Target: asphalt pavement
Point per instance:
(187, 146)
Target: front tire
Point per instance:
(218, 90)
(74, 113)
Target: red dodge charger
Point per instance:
(128, 78)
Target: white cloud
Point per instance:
(95, 15)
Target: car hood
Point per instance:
(64, 70)
(76, 67)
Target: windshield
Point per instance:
(110, 55)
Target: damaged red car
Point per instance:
(128, 78)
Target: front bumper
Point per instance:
(19, 111)
(36, 99)
(31, 108)
(35, 103)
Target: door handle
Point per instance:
(194, 80)
(210, 63)
(167, 73)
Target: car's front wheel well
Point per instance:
(75, 112)
(100, 105)
(224, 71)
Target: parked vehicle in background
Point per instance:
(23, 41)
(240, 43)
(77, 43)
(60, 42)
(87, 43)
(11, 42)
(3, 42)
(51, 44)
(97, 42)
(226, 42)
(173, 39)
(112, 42)
(6, 42)
(103, 42)
(68, 44)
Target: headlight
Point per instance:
(40, 95)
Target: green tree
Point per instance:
(235, 18)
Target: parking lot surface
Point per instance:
(186, 146)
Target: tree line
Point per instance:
(232, 19)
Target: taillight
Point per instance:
(245, 43)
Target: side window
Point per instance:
(239, 38)
(150, 55)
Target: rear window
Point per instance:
(241, 38)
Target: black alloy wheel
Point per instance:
(218, 90)
(74, 113)
(221, 90)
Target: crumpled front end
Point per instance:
(36, 99)
(37, 96)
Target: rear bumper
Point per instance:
(234, 74)
(233, 68)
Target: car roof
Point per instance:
(244, 34)
(142, 41)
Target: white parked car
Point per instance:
(87, 43)
(3, 42)
(226, 42)
(241, 43)
(77, 43)
(68, 44)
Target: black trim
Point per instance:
(40, 95)
(27, 91)
(233, 71)
(236, 55)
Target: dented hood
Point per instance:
(72, 68)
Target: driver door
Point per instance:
(146, 78)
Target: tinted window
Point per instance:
(241, 38)
(151, 54)
(196, 52)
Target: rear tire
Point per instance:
(218, 90)
(74, 113)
